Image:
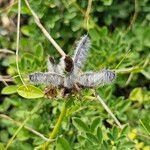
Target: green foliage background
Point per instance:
(86, 125)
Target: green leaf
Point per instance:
(95, 124)
(28, 56)
(37, 141)
(123, 106)
(92, 137)
(81, 139)
(9, 89)
(2, 146)
(129, 144)
(105, 146)
(62, 144)
(99, 134)
(125, 130)
(30, 91)
(136, 95)
(103, 32)
(110, 136)
(39, 50)
(146, 74)
(94, 34)
(80, 125)
(23, 135)
(115, 132)
(4, 136)
(107, 2)
(27, 30)
(5, 106)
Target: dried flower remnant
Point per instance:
(66, 74)
(50, 91)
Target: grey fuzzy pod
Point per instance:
(94, 79)
(81, 51)
(46, 78)
(56, 68)
(50, 64)
(69, 80)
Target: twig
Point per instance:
(108, 110)
(79, 8)
(128, 51)
(145, 136)
(84, 14)
(7, 8)
(15, 134)
(88, 8)
(144, 127)
(24, 122)
(126, 70)
(6, 80)
(3, 80)
(129, 79)
(4, 50)
(26, 127)
(18, 40)
(37, 21)
(133, 18)
(87, 14)
(146, 62)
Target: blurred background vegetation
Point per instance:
(114, 27)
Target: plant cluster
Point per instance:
(119, 32)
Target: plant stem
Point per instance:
(133, 18)
(108, 110)
(18, 41)
(57, 127)
(49, 37)
(39, 104)
(15, 134)
(17, 123)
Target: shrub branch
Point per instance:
(108, 109)
(39, 104)
(49, 37)
(17, 123)
(57, 127)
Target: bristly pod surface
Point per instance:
(95, 79)
(67, 74)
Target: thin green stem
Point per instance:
(57, 127)
(18, 40)
(123, 58)
(133, 18)
(23, 124)
(84, 14)
(17, 123)
(15, 134)
(87, 14)
(144, 127)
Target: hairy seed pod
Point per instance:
(56, 68)
(69, 80)
(73, 80)
(51, 64)
(94, 79)
(47, 79)
(81, 51)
